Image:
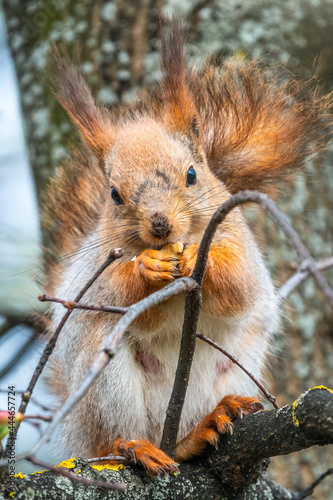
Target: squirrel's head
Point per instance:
(161, 189)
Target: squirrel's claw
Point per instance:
(219, 421)
(145, 453)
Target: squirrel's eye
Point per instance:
(116, 197)
(191, 177)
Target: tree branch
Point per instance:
(71, 304)
(186, 353)
(306, 493)
(233, 469)
(61, 471)
(301, 275)
(270, 433)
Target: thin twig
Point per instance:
(186, 353)
(306, 493)
(61, 471)
(70, 304)
(108, 350)
(268, 395)
(114, 254)
(45, 418)
(297, 278)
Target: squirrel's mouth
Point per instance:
(160, 246)
(147, 239)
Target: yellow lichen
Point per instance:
(295, 419)
(68, 464)
(40, 471)
(78, 471)
(20, 475)
(114, 467)
(322, 387)
(12, 493)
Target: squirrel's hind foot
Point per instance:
(143, 452)
(219, 421)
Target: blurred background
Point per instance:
(118, 45)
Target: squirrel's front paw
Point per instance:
(145, 453)
(156, 266)
(188, 260)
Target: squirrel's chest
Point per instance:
(156, 371)
(212, 375)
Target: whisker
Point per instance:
(196, 203)
(199, 199)
(88, 246)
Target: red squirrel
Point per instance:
(154, 174)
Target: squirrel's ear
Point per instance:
(180, 114)
(72, 92)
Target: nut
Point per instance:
(175, 249)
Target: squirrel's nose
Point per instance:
(160, 226)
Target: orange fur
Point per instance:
(74, 199)
(180, 113)
(216, 423)
(142, 451)
(227, 283)
(55, 380)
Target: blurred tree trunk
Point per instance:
(117, 40)
(113, 39)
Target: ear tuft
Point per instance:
(180, 112)
(72, 92)
(195, 127)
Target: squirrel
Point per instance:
(153, 174)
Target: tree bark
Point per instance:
(233, 470)
(188, 485)
(113, 39)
